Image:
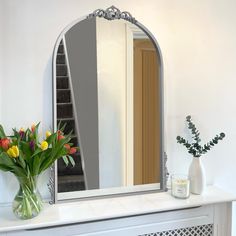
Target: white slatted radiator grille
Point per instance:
(201, 230)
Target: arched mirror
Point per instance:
(108, 75)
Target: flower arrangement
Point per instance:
(26, 156)
(195, 148)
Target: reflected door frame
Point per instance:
(128, 159)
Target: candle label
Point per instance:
(180, 191)
(180, 188)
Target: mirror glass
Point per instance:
(107, 85)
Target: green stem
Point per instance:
(29, 196)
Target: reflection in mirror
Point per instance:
(108, 92)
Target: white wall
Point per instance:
(1, 77)
(1, 63)
(198, 42)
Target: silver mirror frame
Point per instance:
(111, 13)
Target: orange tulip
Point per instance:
(67, 146)
(4, 143)
(33, 128)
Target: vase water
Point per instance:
(28, 201)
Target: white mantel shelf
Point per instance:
(102, 209)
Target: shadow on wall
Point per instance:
(47, 95)
(47, 119)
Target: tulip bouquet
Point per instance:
(26, 156)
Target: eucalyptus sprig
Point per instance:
(195, 148)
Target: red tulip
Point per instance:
(59, 137)
(59, 132)
(4, 143)
(72, 150)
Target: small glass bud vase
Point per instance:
(180, 186)
(28, 201)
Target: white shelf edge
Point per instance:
(109, 208)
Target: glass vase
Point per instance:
(28, 201)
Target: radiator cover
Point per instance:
(201, 230)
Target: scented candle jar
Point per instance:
(180, 186)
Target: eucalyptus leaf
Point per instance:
(195, 148)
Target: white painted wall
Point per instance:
(1, 76)
(198, 42)
(1, 63)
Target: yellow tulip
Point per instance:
(44, 145)
(13, 151)
(48, 134)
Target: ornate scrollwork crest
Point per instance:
(113, 13)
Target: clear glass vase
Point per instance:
(28, 201)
